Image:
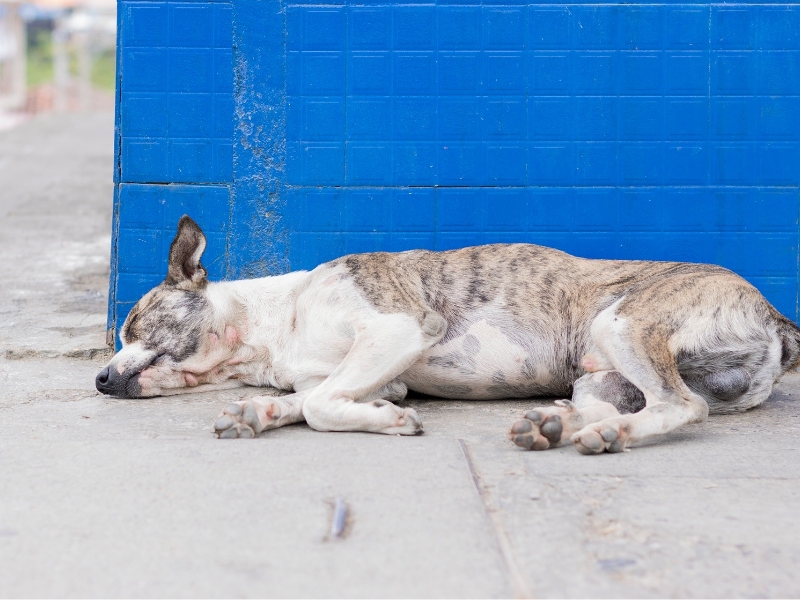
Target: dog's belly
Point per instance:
(484, 364)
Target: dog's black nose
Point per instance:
(108, 381)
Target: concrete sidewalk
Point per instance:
(103, 497)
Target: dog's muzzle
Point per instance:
(122, 385)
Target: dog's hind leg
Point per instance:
(595, 396)
(641, 354)
(384, 347)
(248, 418)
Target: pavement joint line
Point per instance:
(519, 585)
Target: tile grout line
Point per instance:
(518, 583)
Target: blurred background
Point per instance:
(55, 56)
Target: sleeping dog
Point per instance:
(641, 347)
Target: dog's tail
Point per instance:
(789, 333)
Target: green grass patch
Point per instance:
(104, 70)
(40, 59)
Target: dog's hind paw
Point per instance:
(609, 435)
(543, 428)
(245, 419)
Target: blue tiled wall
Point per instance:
(660, 131)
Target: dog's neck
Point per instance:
(257, 316)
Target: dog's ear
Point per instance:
(185, 253)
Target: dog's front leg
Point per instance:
(248, 418)
(384, 347)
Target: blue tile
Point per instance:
(414, 27)
(779, 118)
(549, 27)
(596, 163)
(459, 119)
(369, 119)
(415, 118)
(733, 164)
(507, 210)
(323, 73)
(687, 164)
(686, 118)
(415, 163)
(506, 164)
(368, 164)
(459, 27)
(189, 160)
(732, 74)
(144, 115)
(594, 73)
(323, 119)
(595, 26)
(641, 27)
(458, 210)
(778, 27)
(640, 163)
(414, 209)
(321, 210)
(598, 118)
(550, 164)
(144, 70)
(366, 210)
(143, 24)
(414, 73)
(190, 70)
(223, 71)
(640, 118)
(323, 164)
(504, 72)
(687, 27)
(504, 28)
(504, 118)
(460, 164)
(191, 25)
(687, 73)
(369, 74)
(640, 210)
(551, 118)
(595, 210)
(550, 74)
(733, 118)
(459, 72)
(223, 116)
(369, 28)
(145, 160)
(323, 29)
(190, 115)
(780, 163)
(733, 28)
(551, 209)
(640, 73)
(223, 26)
(778, 73)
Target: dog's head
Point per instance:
(172, 337)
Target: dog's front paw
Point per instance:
(609, 435)
(245, 419)
(545, 427)
(407, 423)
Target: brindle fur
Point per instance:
(642, 347)
(550, 298)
